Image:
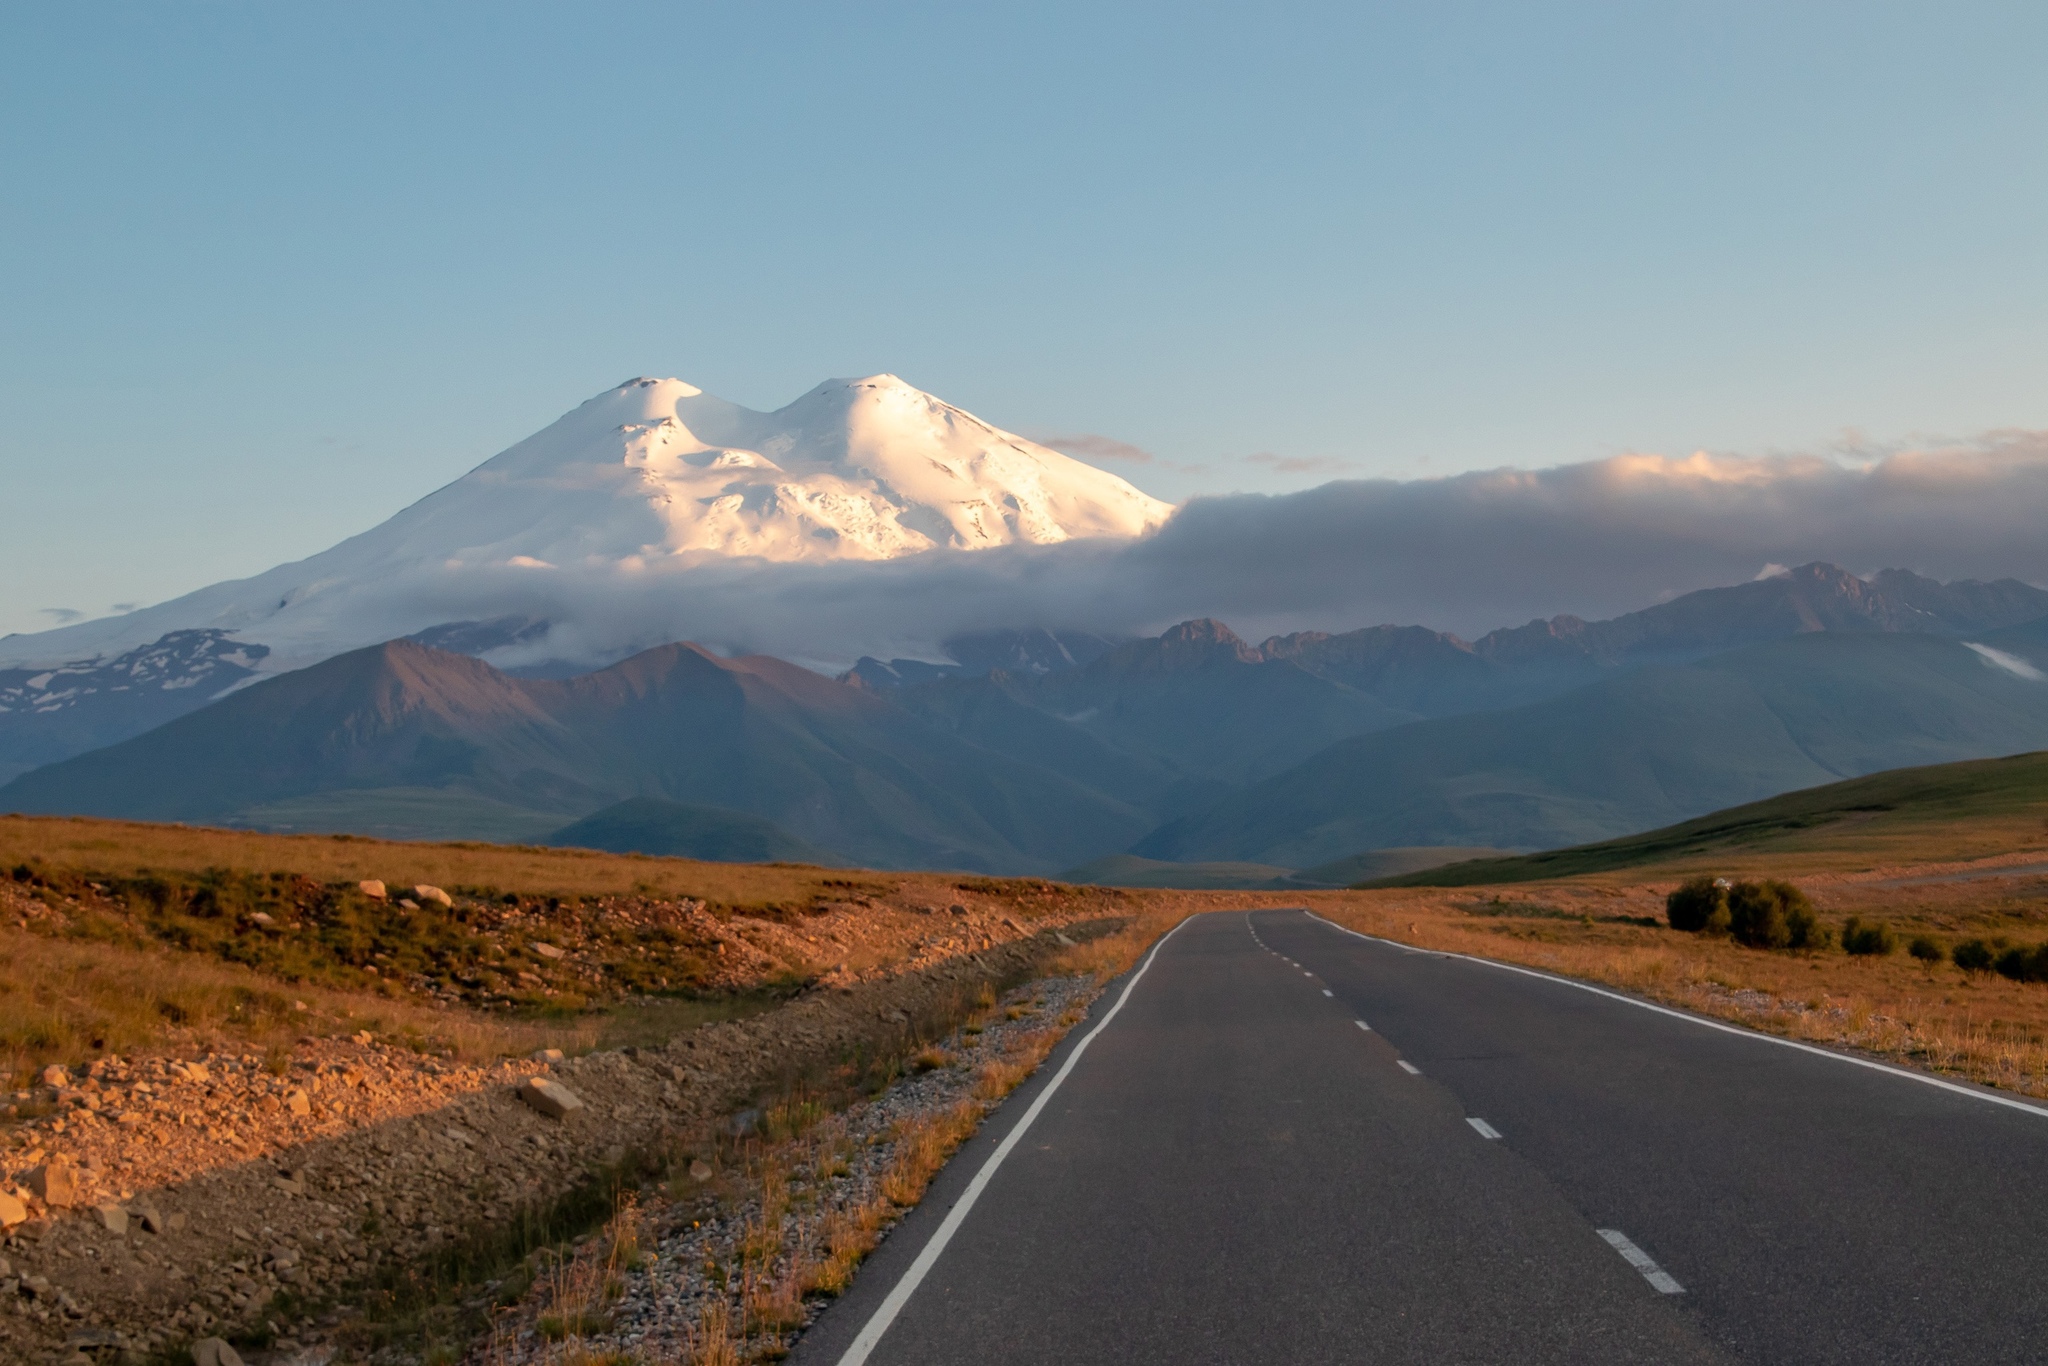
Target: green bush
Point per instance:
(1973, 955)
(1867, 940)
(2024, 964)
(1773, 915)
(1699, 906)
(1927, 949)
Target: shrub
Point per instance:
(1867, 940)
(1773, 915)
(1927, 949)
(1698, 906)
(2024, 965)
(1973, 955)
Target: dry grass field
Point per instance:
(1949, 856)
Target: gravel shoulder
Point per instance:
(169, 1199)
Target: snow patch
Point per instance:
(2012, 664)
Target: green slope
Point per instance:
(649, 825)
(1940, 812)
(1127, 870)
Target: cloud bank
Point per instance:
(1465, 553)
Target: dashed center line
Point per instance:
(1484, 1129)
(1363, 1025)
(1641, 1261)
(1328, 992)
(1410, 1068)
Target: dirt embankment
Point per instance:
(166, 1200)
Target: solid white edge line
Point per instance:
(1410, 1068)
(871, 1333)
(1484, 1129)
(1704, 1023)
(1641, 1261)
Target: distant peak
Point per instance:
(1201, 630)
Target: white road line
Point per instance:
(1737, 1030)
(1328, 992)
(1485, 1130)
(871, 1333)
(1410, 1068)
(1363, 1025)
(1641, 1261)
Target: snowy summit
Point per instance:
(646, 482)
(865, 469)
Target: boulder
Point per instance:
(372, 888)
(299, 1103)
(56, 1076)
(549, 951)
(547, 1055)
(214, 1352)
(12, 1211)
(112, 1217)
(549, 1097)
(435, 894)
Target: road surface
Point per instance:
(1289, 1143)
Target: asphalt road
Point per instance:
(1501, 1168)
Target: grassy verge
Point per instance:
(1925, 1014)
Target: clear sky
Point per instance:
(270, 272)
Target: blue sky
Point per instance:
(269, 273)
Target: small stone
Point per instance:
(549, 951)
(364, 1036)
(263, 918)
(299, 1103)
(12, 1211)
(112, 1217)
(214, 1352)
(55, 1183)
(1064, 940)
(551, 1098)
(56, 1076)
(435, 894)
(700, 1170)
(409, 904)
(372, 888)
(957, 909)
(547, 1055)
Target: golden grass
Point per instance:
(1979, 1027)
(64, 1000)
(123, 847)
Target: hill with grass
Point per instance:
(1941, 812)
(650, 825)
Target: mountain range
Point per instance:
(1039, 751)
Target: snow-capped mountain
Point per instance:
(51, 713)
(626, 494)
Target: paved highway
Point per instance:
(1282, 1142)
